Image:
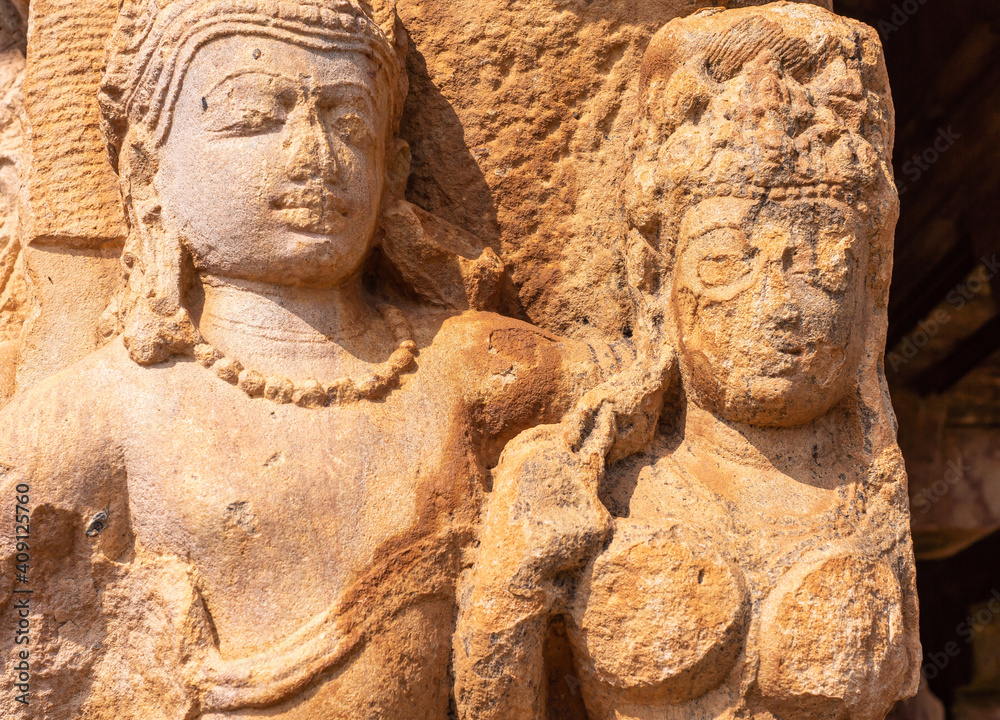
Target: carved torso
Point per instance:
(282, 499)
(349, 520)
(694, 608)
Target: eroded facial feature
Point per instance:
(768, 304)
(274, 165)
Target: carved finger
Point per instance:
(602, 435)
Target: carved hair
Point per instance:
(154, 41)
(148, 53)
(738, 108)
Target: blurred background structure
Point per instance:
(13, 292)
(943, 354)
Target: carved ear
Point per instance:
(397, 168)
(643, 264)
(156, 325)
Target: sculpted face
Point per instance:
(768, 301)
(275, 161)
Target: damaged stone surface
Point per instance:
(753, 558)
(402, 359)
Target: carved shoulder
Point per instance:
(60, 437)
(516, 375)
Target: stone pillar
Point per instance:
(73, 224)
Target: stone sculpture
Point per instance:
(256, 497)
(756, 559)
(312, 472)
(13, 289)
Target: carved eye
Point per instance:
(726, 258)
(724, 269)
(797, 260)
(351, 129)
(348, 114)
(834, 262)
(250, 121)
(248, 104)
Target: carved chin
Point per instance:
(778, 401)
(779, 390)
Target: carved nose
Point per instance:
(847, 84)
(778, 304)
(310, 153)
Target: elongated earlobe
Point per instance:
(157, 326)
(442, 263)
(397, 168)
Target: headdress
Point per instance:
(154, 41)
(152, 44)
(776, 102)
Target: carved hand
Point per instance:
(544, 517)
(543, 520)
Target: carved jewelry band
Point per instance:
(311, 393)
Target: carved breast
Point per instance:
(832, 639)
(660, 615)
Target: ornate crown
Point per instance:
(783, 101)
(769, 103)
(154, 40)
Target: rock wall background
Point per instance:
(515, 120)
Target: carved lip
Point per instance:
(793, 350)
(784, 360)
(311, 209)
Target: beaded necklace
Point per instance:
(312, 393)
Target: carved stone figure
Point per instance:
(254, 500)
(755, 559)
(14, 302)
